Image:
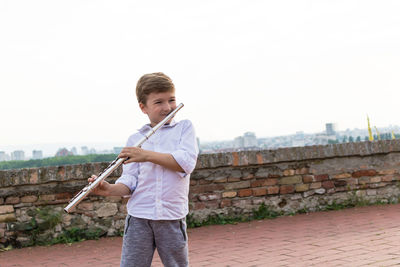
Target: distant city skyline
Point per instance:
(50, 149)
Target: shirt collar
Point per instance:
(147, 126)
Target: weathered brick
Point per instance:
(362, 173)
(86, 206)
(34, 177)
(6, 209)
(273, 190)
(271, 181)
(207, 197)
(342, 176)
(237, 185)
(321, 177)
(364, 180)
(220, 180)
(297, 179)
(386, 172)
(242, 203)
(259, 158)
(377, 185)
(303, 170)
(264, 182)
(308, 178)
(204, 181)
(248, 177)
(315, 185)
(225, 203)
(340, 183)
(61, 173)
(193, 182)
(235, 156)
(286, 189)
(274, 176)
(302, 187)
(245, 192)
(289, 172)
(107, 210)
(376, 179)
(64, 195)
(12, 200)
(229, 194)
(213, 204)
(199, 205)
(199, 189)
(233, 179)
(29, 199)
(47, 197)
(259, 191)
(9, 217)
(113, 199)
(1, 201)
(328, 184)
(371, 192)
(122, 208)
(387, 178)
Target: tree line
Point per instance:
(351, 139)
(56, 161)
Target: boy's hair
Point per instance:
(156, 82)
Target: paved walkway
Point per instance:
(368, 236)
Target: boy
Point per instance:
(157, 175)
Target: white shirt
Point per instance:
(157, 192)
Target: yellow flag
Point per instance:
(371, 138)
(393, 136)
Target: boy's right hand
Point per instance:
(102, 189)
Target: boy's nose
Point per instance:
(167, 108)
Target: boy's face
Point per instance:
(158, 106)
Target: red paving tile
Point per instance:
(367, 236)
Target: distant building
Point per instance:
(238, 142)
(249, 139)
(4, 156)
(62, 152)
(37, 154)
(74, 151)
(18, 155)
(84, 150)
(331, 128)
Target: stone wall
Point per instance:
(286, 180)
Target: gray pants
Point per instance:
(142, 236)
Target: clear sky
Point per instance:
(68, 69)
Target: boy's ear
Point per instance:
(143, 107)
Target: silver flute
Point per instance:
(116, 163)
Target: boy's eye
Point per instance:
(172, 100)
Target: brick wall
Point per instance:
(286, 180)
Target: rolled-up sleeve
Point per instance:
(129, 175)
(130, 172)
(187, 152)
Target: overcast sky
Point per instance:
(68, 69)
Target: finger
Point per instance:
(129, 160)
(123, 155)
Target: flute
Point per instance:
(116, 163)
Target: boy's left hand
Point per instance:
(135, 154)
